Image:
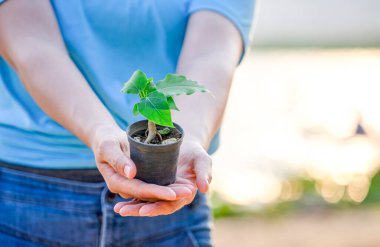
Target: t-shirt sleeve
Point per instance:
(239, 12)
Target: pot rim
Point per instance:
(177, 126)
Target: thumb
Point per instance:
(120, 162)
(203, 172)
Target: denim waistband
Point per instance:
(42, 181)
(83, 175)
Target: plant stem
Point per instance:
(152, 132)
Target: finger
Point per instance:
(136, 188)
(113, 154)
(185, 181)
(142, 190)
(202, 169)
(161, 208)
(125, 196)
(188, 187)
(124, 143)
(131, 209)
(182, 191)
(119, 205)
(185, 171)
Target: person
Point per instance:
(65, 176)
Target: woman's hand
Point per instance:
(194, 171)
(110, 146)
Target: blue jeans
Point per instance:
(37, 210)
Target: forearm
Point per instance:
(201, 115)
(62, 92)
(209, 57)
(31, 42)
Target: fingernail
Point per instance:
(207, 184)
(127, 171)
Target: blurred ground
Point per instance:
(335, 229)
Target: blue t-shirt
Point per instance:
(107, 40)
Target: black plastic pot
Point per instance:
(156, 164)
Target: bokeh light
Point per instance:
(302, 121)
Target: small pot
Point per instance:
(156, 164)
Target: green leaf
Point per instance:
(136, 109)
(136, 83)
(150, 87)
(156, 109)
(178, 84)
(171, 103)
(164, 132)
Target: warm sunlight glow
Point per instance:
(305, 107)
(248, 186)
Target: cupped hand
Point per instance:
(194, 172)
(110, 147)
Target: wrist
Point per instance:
(198, 141)
(102, 132)
(196, 134)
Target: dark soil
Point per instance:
(174, 133)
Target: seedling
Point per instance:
(156, 100)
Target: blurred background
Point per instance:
(299, 158)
